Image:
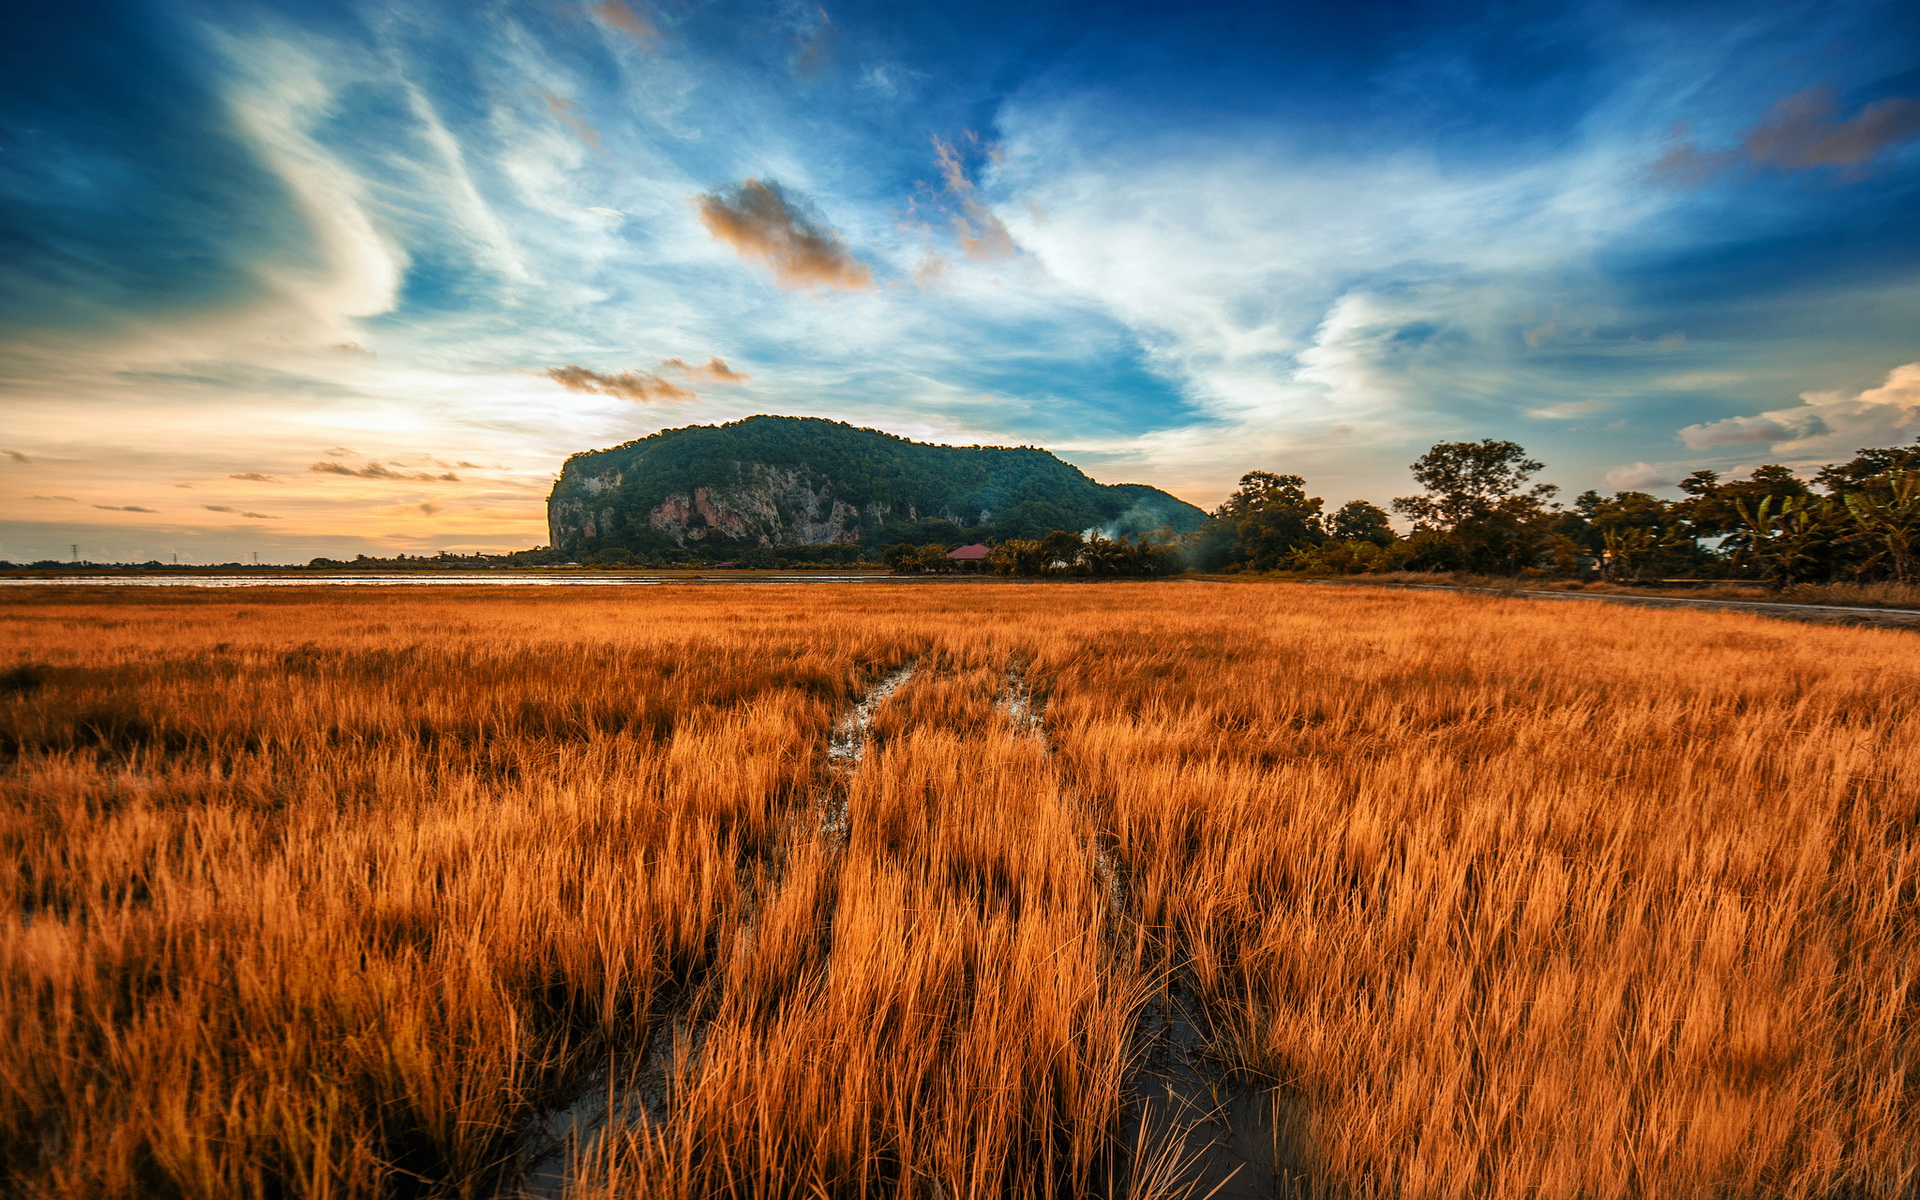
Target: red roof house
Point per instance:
(973, 553)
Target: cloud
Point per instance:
(16, 456)
(374, 470)
(714, 369)
(982, 236)
(763, 222)
(282, 98)
(641, 386)
(931, 271)
(429, 509)
(1565, 409)
(1825, 423)
(638, 26)
(68, 499)
(813, 51)
(125, 508)
(1801, 132)
(567, 113)
(224, 508)
(1642, 477)
(251, 477)
(1804, 131)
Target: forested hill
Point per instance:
(790, 481)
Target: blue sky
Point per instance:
(305, 278)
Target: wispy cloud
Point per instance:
(1566, 409)
(254, 477)
(1643, 476)
(125, 508)
(764, 222)
(16, 456)
(1829, 424)
(714, 369)
(374, 470)
(642, 386)
(813, 49)
(68, 499)
(623, 17)
(1805, 130)
(227, 508)
(567, 112)
(1802, 132)
(980, 232)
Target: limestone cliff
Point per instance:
(791, 481)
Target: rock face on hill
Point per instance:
(794, 481)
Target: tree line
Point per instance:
(1479, 511)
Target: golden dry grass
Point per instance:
(338, 893)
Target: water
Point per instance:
(410, 579)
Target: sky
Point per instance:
(296, 278)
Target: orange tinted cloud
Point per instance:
(1804, 130)
(644, 32)
(374, 470)
(641, 386)
(762, 223)
(813, 52)
(714, 369)
(567, 113)
(224, 508)
(981, 234)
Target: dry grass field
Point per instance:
(347, 893)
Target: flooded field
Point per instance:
(1143, 890)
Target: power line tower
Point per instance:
(75, 547)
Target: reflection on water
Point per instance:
(622, 580)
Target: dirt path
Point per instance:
(1189, 1128)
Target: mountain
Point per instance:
(793, 481)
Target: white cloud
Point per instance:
(1824, 424)
(1643, 477)
(280, 93)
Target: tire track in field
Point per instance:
(1194, 1132)
(571, 1134)
(847, 746)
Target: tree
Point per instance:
(1791, 539)
(1712, 507)
(1478, 501)
(1891, 522)
(902, 558)
(1271, 517)
(1061, 550)
(1359, 521)
(1870, 465)
(1018, 556)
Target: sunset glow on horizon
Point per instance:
(326, 278)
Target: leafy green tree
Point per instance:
(1869, 466)
(1062, 550)
(1477, 500)
(1359, 521)
(1712, 506)
(1018, 556)
(1271, 516)
(1791, 539)
(1889, 520)
(902, 558)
